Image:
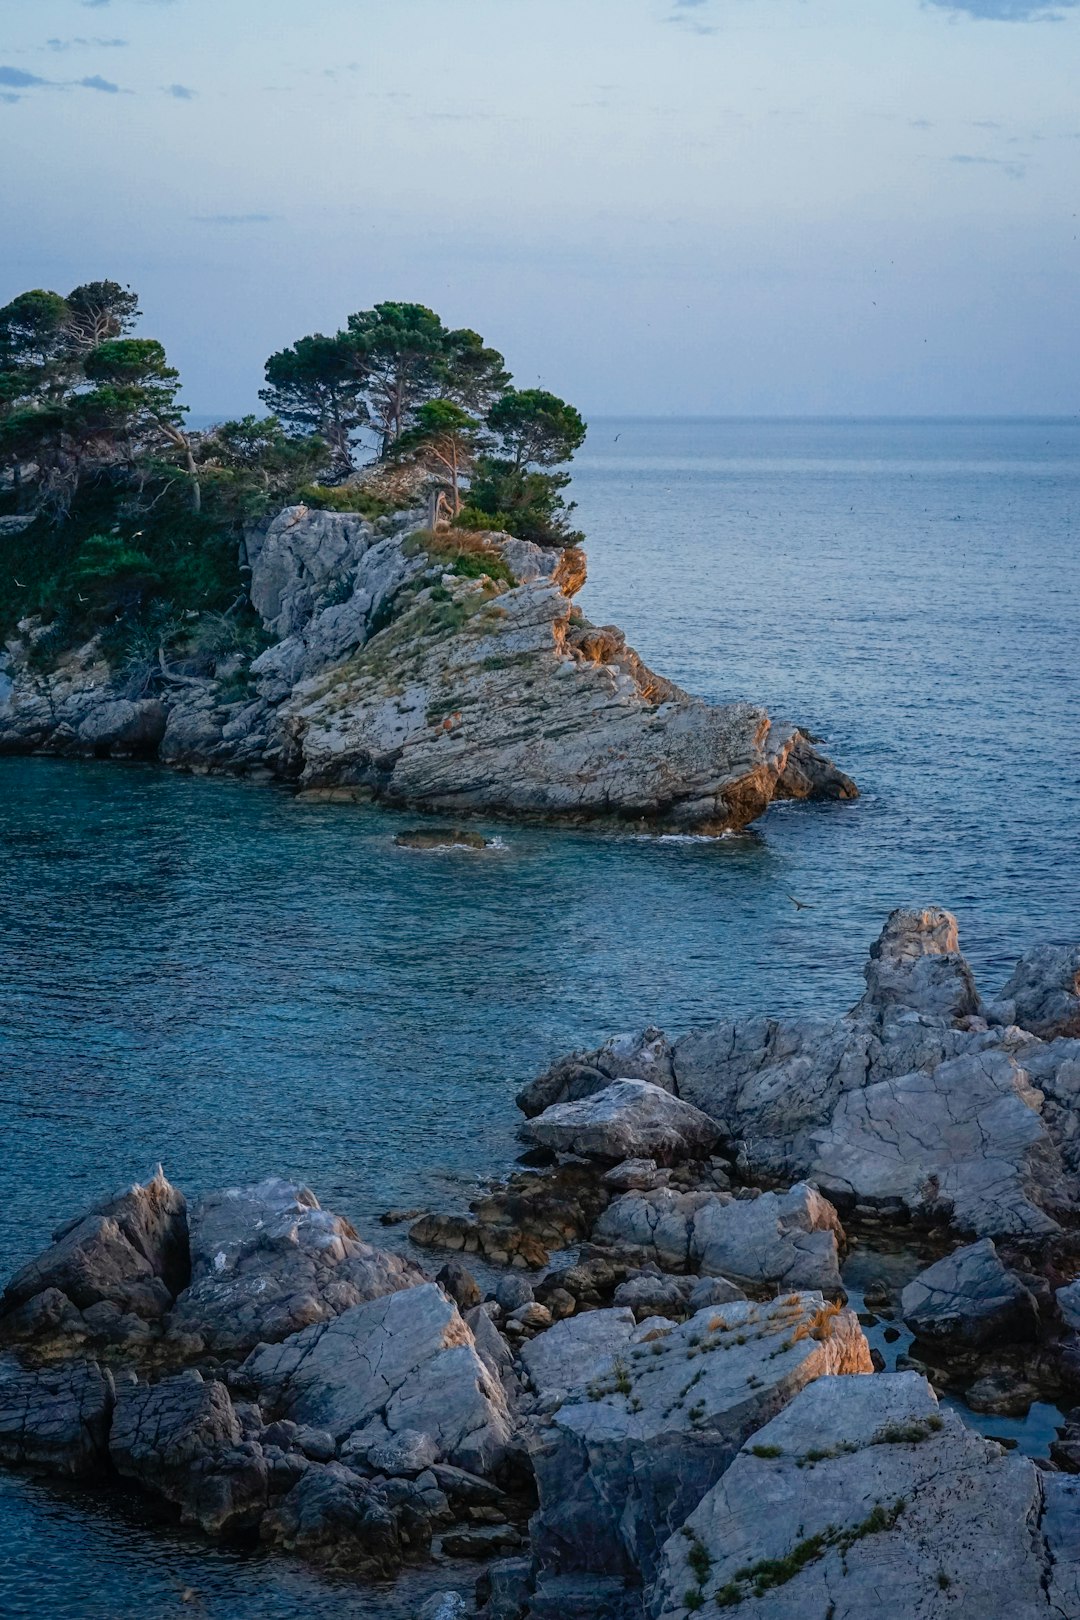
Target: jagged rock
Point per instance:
(181, 1439)
(267, 1261)
(970, 1298)
(503, 1589)
(444, 1606)
(128, 1252)
(916, 963)
(656, 1293)
(491, 1347)
(575, 1350)
(912, 1104)
(861, 1495)
(408, 1452)
(299, 555)
(405, 1361)
(630, 1119)
(337, 1520)
(1044, 991)
(631, 1452)
(56, 1418)
(787, 1239)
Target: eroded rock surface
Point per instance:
(396, 675)
(628, 1454)
(630, 1119)
(267, 1261)
(56, 1418)
(862, 1493)
(920, 1101)
(970, 1297)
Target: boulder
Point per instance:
(656, 1293)
(633, 1449)
(645, 1055)
(404, 1361)
(970, 1298)
(333, 1518)
(630, 1119)
(55, 1418)
(788, 1240)
(267, 1261)
(861, 1497)
(129, 1251)
(1044, 991)
(574, 1351)
(916, 963)
(181, 1439)
(458, 1281)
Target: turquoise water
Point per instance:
(208, 973)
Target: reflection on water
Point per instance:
(211, 974)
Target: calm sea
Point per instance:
(210, 974)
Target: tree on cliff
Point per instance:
(317, 385)
(515, 486)
(444, 437)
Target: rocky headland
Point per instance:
(447, 671)
(662, 1400)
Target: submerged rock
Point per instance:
(442, 838)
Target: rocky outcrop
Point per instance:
(406, 1361)
(633, 1449)
(919, 1102)
(862, 1493)
(267, 1261)
(448, 672)
(630, 1119)
(55, 1418)
(108, 1275)
(787, 1240)
(1043, 993)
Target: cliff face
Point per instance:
(449, 672)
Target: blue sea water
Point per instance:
(212, 974)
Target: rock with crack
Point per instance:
(629, 1119)
(267, 1261)
(920, 1101)
(406, 1360)
(574, 1351)
(970, 1298)
(334, 1519)
(629, 1454)
(862, 1492)
(181, 1439)
(122, 1261)
(787, 1240)
(55, 1418)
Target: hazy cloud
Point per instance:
(17, 79)
(96, 82)
(234, 219)
(1008, 10)
(68, 44)
(1015, 171)
(180, 92)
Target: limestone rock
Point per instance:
(861, 1494)
(1044, 991)
(575, 1350)
(267, 1261)
(129, 1251)
(630, 1119)
(181, 1439)
(404, 1361)
(333, 1518)
(56, 1418)
(969, 1298)
(787, 1239)
(297, 557)
(630, 1453)
(916, 963)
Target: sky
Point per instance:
(652, 207)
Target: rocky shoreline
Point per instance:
(659, 1405)
(448, 672)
